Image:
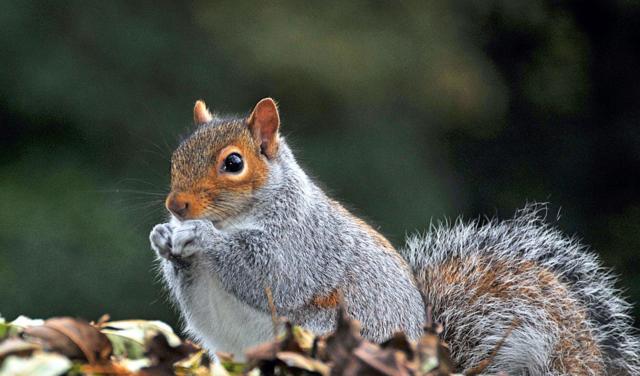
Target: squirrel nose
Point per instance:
(176, 205)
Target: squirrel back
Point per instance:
(245, 217)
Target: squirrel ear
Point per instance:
(263, 123)
(201, 114)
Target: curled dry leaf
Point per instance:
(350, 355)
(304, 338)
(400, 342)
(163, 356)
(17, 346)
(267, 351)
(130, 337)
(433, 355)
(105, 369)
(24, 322)
(377, 361)
(71, 337)
(302, 362)
(4, 328)
(345, 338)
(139, 330)
(40, 363)
(290, 352)
(15, 327)
(341, 343)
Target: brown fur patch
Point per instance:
(576, 352)
(327, 301)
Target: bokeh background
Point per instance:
(406, 110)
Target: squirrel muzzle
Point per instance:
(178, 204)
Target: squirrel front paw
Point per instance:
(190, 237)
(160, 238)
(178, 241)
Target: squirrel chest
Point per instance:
(220, 320)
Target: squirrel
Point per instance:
(244, 217)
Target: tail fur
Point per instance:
(483, 278)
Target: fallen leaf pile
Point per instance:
(68, 346)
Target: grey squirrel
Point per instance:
(245, 216)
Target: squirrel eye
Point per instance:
(233, 163)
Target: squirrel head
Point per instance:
(215, 171)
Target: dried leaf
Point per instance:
(191, 363)
(4, 327)
(268, 350)
(163, 355)
(39, 364)
(218, 370)
(125, 347)
(134, 365)
(379, 361)
(73, 338)
(140, 330)
(24, 322)
(52, 340)
(16, 326)
(102, 320)
(295, 360)
(400, 342)
(340, 344)
(105, 369)
(304, 338)
(129, 337)
(17, 346)
(433, 354)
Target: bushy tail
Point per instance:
(489, 274)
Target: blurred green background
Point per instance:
(406, 111)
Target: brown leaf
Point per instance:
(290, 341)
(387, 362)
(400, 342)
(434, 355)
(262, 352)
(17, 346)
(265, 355)
(104, 369)
(102, 320)
(300, 361)
(351, 355)
(340, 344)
(71, 337)
(163, 355)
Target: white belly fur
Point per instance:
(221, 322)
